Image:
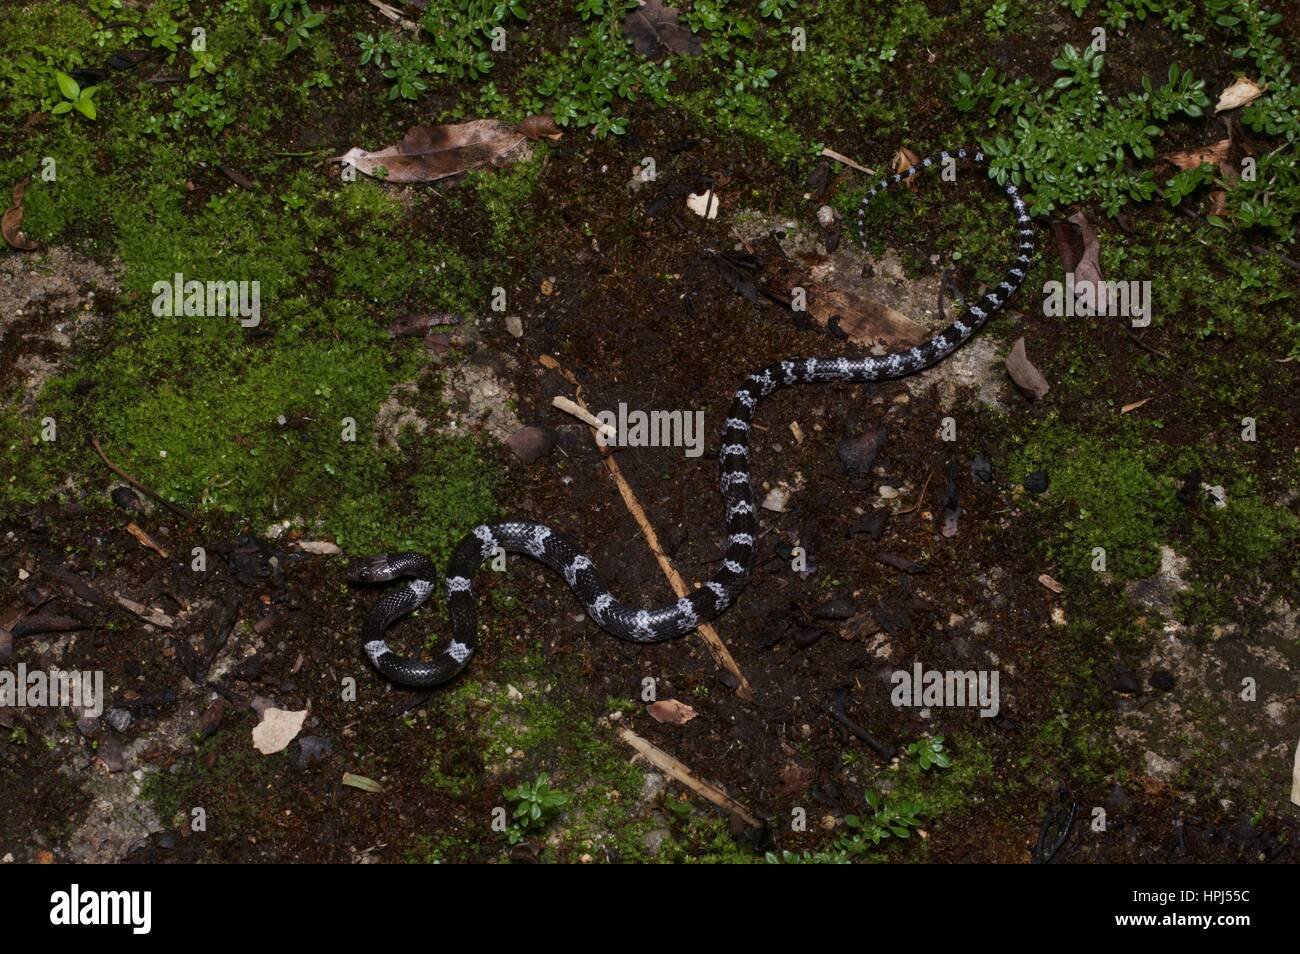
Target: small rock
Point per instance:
(1163, 680)
(826, 216)
(653, 840)
(210, 721)
(1125, 682)
(806, 636)
(858, 454)
(312, 749)
(119, 719)
(873, 524)
(531, 443)
(126, 498)
(981, 468)
(515, 325)
(109, 751)
(1036, 483)
(887, 492)
(837, 609)
(777, 498)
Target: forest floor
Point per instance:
(1118, 551)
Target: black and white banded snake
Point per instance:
(714, 597)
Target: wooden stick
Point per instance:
(147, 613)
(145, 539)
(675, 769)
(582, 414)
(394, 14)
(717, 647)
(840, 157)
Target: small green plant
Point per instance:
(296, 20)
(535, 804)
(164, 33)
(929, 753)
(775, 9)
(18, 736)
(887, 820)
(1072, 143)
(74, 97)
(997, 16)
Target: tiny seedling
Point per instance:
(534, 805)
(929, 752)
(74, 97)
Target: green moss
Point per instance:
(1100, 495)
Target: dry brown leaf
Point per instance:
(1028, 378)
(1218, 203)
(540, 127)
(1134, 406)
(795, 780)
(671, 711)
(905, 159)
(1050, 583)
(1196, 157)
(1241, 93)
(655, 32)
(11, 223)
(430, 153)
(1079, 250)
(863, 319)
(277, 729)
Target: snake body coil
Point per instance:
(714, 597)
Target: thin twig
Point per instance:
(675, 769)
(710, 635)
(840, 157)
(179, 511)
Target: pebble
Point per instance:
(1163, 680)
(776, 499)
(887, 492)
(515, 325)
(119, 719)
(531, 443)
(826, 216)
(981, 468)
(1036, 483)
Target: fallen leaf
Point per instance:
(1196, 157)
(361, 782)
(1050, 583)
(1134, 406)
(1028, 378)
(540, 127)
(671, 711)
(277, 729)
(705, 204)
(318, 547)
(430, 153)
(905, 159)
(1079, 250)
(11, 224)
(795, 780)
(1240, 93)
(655, 32)
(1218, 203)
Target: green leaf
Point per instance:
(86, 107)
(61, 108)
(67, 85)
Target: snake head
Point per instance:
(375, 569)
